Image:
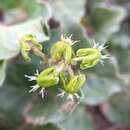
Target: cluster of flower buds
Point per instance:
(27, 44)
(63, 59)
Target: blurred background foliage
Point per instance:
(107, 87)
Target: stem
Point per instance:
(78, 58)
(38, 52)
(70, 70)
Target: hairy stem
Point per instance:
(38, 52)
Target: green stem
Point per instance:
(78, 58)
(38, 52)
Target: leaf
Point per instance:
(11, 103)
(14, 92)
(7, 4)
(15, 99)
(48, 126)
(98, 89)
(69, 6)
(2, 71)
(118, 108)
(124, 63)
(75, 29)
(31, 8)
(102, 83)
(63, 15)
(78, 120)
(120, 39)
(36, 8)
(122, 2)
(9, 44)
(105, 20)
(50, 110)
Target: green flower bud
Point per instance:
(62, 50)
(72, 85)
(48, 77)
(89, 57)
(27, 42)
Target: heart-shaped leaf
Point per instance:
(79, 120)
(118, 108)
(9, 44)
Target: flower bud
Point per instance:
(27, 42)
(61, 50)
(72, 85)
(48, 77)
(89, 57)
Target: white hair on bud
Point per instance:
(101, 47)
(34, 88)
(68, 39)
(30, 78)
(41, 92)
(70, 96)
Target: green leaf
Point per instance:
(11, 104)
(102, 83)
(105, 20)
(118, 108)
(52, 109)
(7, 4)
(2, 71)
(9, 44)
(98, 89)
(14, 94)
(15, 99)
(124, 63)
(48, 126)
(31, 8)
(69, 6)
(64, 16)
(120, 39)
(35, 8)
(78, 120)
(124, 2)
(76, 30)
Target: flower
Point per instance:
(89, 57)
(71, 85)
(27, 42)
(62, 50)
(47, 78)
